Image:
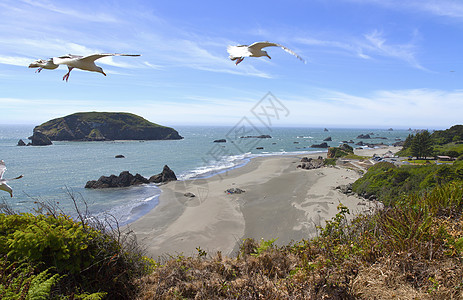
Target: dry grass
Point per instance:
(410, 251)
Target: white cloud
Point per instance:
(372, 45)
(445, 8)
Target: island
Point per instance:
(104, 126)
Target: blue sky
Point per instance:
(370, 63)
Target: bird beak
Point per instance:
(269, 56)
(103, 73)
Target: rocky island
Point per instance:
(103, 126)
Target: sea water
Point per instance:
(53, 173)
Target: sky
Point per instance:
(369, 63)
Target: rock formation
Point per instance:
(328, 139)
(322, 145)
(364, 136)
(39, 139)
(220, 141)
(126, 179)
(310, 163)
(101, 126)
(21, 143)
(166, 175)
(123, 180)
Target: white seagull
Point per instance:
(238, 53)
(3, 185)
(43, 64)
(86, 63)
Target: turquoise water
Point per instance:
(51, 172)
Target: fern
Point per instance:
(41, 286)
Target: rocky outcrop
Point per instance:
(364, 136)
(345, 188)
(220, 141)
(39, 139)
(310, 163)
(21, 143)
(119, 156)
(101, 126)
(234, 191)
(123, 180)
(343, 150)
(326, 129)
(328, 139)
(126, 179)
(165, 176)
(322, 145)
(263, 136)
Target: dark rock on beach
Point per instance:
(310, 163)
(220, 141)
(119, 156)
(165, 176)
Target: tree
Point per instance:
(422, 145)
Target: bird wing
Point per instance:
(64, 59)
(5, 187)
(2, 168)
(260, 45)
(238, 51)
(94, 57)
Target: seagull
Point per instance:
(3, 185)
(86, 63)
(238, 53)
(43, 64)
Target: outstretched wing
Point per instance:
(238, 51)
(64, 59)
(260, 45)
(94, 57)
(2, 168)
(5, 187)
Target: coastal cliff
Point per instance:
(101, 126)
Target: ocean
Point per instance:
(52, 173)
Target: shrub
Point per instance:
(79, 258)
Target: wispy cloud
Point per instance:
(445, 8)
(372, 45)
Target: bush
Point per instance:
(81, 257)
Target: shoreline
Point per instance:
(280, 202)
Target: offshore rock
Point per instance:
(123, 180)
(165, 176)
(102, 126)
(39, 139)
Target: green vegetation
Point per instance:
(49, 255)
(388, 182)
(442, 142)
(341, 151)
(421, 145)
(411, 250)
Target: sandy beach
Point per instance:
(280, 201)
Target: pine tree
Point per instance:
(421, 145)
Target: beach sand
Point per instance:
(280, 202)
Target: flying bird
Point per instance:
(43, 64)
(3, 186)
(86, 63)
(238, 53)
